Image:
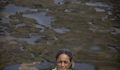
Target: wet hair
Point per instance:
(67, 52)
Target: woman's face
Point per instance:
(63, 62)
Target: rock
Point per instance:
(28, 66)
(5, 15)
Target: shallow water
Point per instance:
(84, 66)
(21, 47)
(4, 31)
(66, 10)
(44, 65)
(100, 4)
(99, 10)
(61, 30)
(12, 67)
(6, 20)
(96, 48)
(32, 39)
(20, 25)
(32, 55)
(59, 2)
(117, 31)
(12, 9)
(40, 18)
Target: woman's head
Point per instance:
(64, 59)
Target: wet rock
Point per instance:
(5, 15)
(37, 6)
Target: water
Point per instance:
(12, 9)
(90, 23)
(32, 55)
(84, 66)
(99, 10)
(117, 31)
(61, 30)
(40, 18)
(3, 1)
(66, 10)
(12, 67)
(95, 48)
(44, 65)
(109, 13)
(113, 50)
(20, 25)
(4, 31)
(21, 47)
(100, 4)
(32, 39)
(59, 2)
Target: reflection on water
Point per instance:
(40, 18)
(12, 67)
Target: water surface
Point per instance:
(12, 67)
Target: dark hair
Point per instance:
(67, 52)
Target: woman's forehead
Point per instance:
(63, 57)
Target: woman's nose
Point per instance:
(62, 64)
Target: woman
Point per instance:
(64, 60)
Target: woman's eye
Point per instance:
(60, 62)
(65, 62)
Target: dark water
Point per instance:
(12, 67)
